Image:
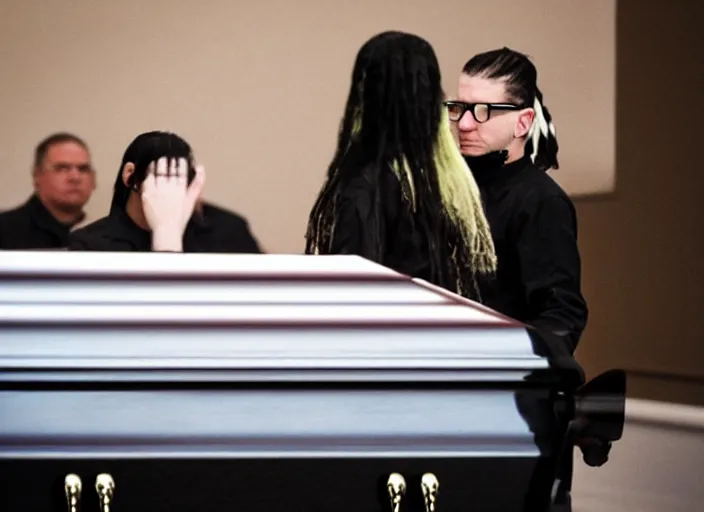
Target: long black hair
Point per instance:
(394, 120)
(146, 148)
(521, 79)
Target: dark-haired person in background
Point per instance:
(64, 181)
(397, 190)
(508, 140)
(156, 206)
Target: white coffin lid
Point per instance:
(111, 310)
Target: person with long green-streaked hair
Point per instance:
(398, 191)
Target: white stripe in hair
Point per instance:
(540, 127)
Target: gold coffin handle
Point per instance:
(72, 489)
(396, 487)
(105, 487)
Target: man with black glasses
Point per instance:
(507, 137)
(508, 140)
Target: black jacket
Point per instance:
(32, 226)
(534, 227)
(363, 209)
(214, 230)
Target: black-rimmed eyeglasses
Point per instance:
(480, 111)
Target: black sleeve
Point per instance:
(249, 241)
(356, 224)
(82, 240)
(551, 269)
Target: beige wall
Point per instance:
(643, 269)
(258, 89)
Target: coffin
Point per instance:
(142, 382)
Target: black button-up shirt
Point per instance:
(213, 230)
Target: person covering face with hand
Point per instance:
(168, 201)
(157, 205)
(155, 194)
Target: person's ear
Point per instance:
(35, 176)
(524, 122)
(127, 172)
(94, 177)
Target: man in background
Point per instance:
(64, 180)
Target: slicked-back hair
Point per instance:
(520, 77)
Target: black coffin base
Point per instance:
(283, 485)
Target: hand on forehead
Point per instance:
(169, 166)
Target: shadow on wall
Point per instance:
(643, 271)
